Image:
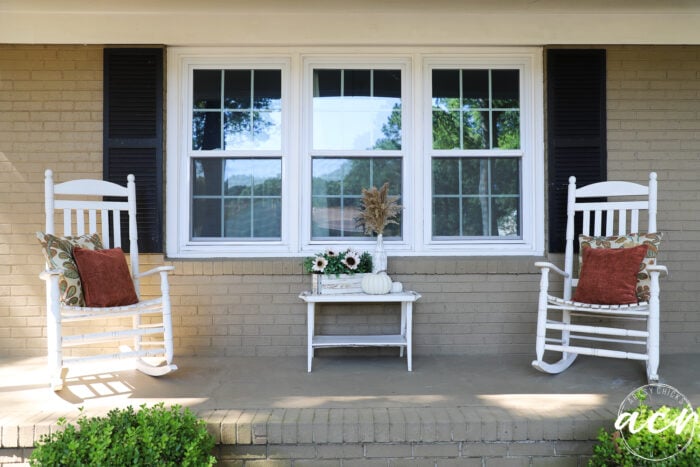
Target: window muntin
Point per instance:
(336, 188)
(356, 109)
(476, 197)
(236, 109)
(236, 198)
(475, 109)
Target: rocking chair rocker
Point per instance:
(556, 328)
(75, 199)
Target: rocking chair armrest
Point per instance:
(155, 270)
(47, 273)
(547, 265)
(658, 268)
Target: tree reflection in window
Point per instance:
(237, 198)
(337, 185)
(236, 109)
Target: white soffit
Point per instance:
(350, 22)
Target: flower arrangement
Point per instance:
(338, 262)
(378, 209)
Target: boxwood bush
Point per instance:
(611, 451)
(149, 436)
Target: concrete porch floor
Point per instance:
(358, 398)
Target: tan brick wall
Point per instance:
(654, 125)
(51, 116)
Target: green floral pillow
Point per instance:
(58, 252)
(652, 240)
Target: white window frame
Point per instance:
(416, 64)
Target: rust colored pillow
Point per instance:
(609, 276)
(105, 277)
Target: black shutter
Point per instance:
(133, 135)
(576, 126)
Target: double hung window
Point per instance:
(356, 143)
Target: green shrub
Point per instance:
(149, 436)
(610, 451)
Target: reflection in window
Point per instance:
(236, 109)
(356, 109)
(476, 109)
(337, 185)
(237, 198)
(476, 197)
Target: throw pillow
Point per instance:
(652, 240)
(105, 276)
(609, 276)
(627, 241)
(58, 252)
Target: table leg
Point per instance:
(310, 312)
(409, 335)
(403, 326)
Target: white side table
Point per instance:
(402, 340)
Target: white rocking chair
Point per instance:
(75, 199)
(556, 328)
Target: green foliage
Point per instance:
(610, 451)
(150, 436)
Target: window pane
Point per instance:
(506, 217)
(357, 83)
(327, 83)
(206, 89)
(446, 89)
(476, 130)
(506, 129)
(446, 217)
(387, 83)
(475, 89)
(268, 89)
(445, 176)
(475, 221)
(505, 176)
(475, 176)
(207, 177)
(237, 216)
(237, 89)
(337, 185)
(267, 213)
(206, 217)
(237, 134)
(446, 129)
(506, 88)
(206, 130)
(353, 116)
(267, 130)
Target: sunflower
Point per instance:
(351, 260)
(320, 264)
(330, 252)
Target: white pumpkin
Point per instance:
(376, 284)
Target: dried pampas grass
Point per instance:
(378, 209)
